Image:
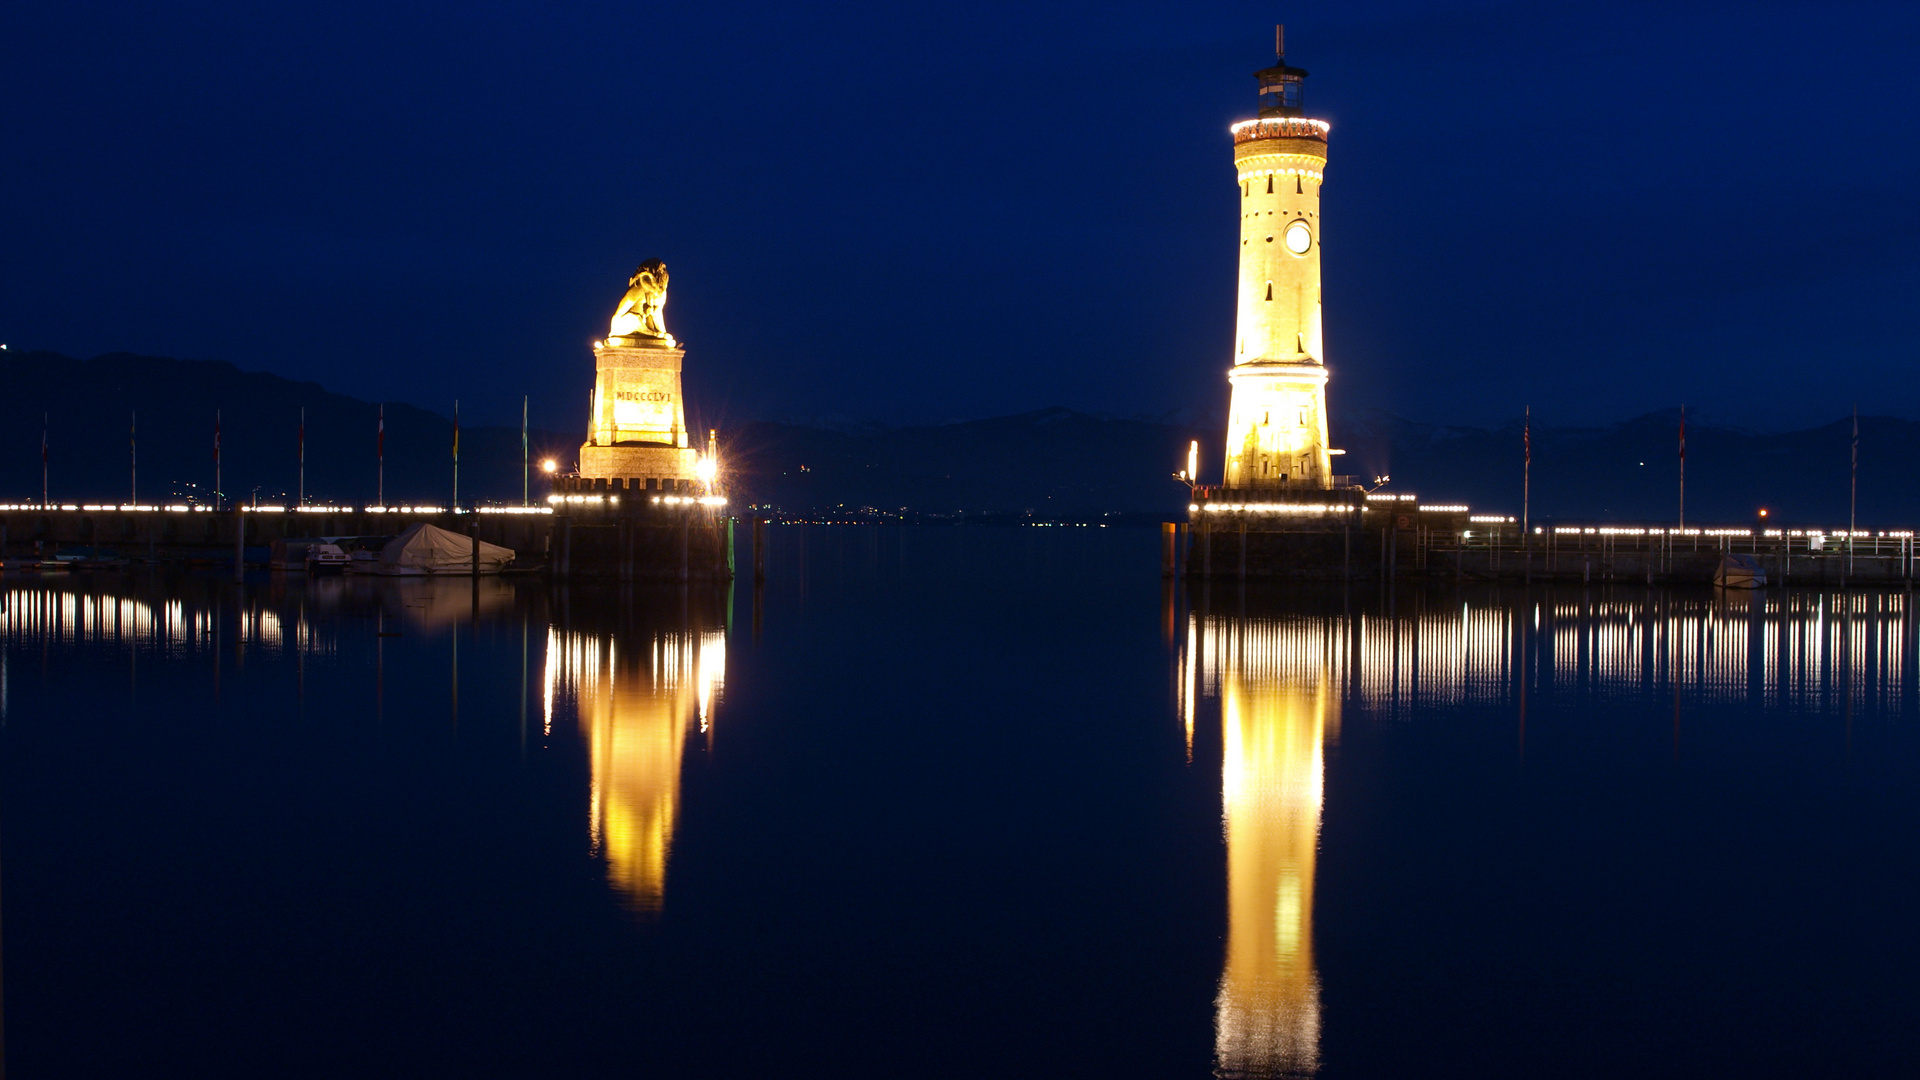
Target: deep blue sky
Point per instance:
(949, 210)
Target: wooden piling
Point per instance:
(686, 531)
(759, 549)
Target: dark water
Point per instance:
(956, 802)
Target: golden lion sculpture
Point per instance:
(641, 313)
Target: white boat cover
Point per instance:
(428, 549)
(1739, 571)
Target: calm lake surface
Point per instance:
(954, 802)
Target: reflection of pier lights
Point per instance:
(1283, 683)
(1787, 649)
(635, 710)
(61, 614)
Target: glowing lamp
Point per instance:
(549, 466)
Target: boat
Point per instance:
(327, 559)
(427, 549)
(1737, 571)
(30, 562)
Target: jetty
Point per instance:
(1351, 534)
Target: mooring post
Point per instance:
(759, 548)
(239, 544)
(686, 535)
(473, 531)
(623, 552)
(1166, 549)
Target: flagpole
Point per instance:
(303, 456)
(43, 461)
(216, 459)
(1853, 486)
(456, 454)
(133, 453)
(526, 458)
(1683, 468)
(380, 454)
(1526, 493)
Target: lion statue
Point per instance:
(641, 311)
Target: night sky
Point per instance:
(938, 211)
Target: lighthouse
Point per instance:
(1277, 424)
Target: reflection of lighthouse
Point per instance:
(1277, 704)
(636, 707)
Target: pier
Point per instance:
(589, 531)
(1349, 534)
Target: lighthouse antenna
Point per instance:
(1280, 40)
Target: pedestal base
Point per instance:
(637, 462)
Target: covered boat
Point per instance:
(1739, 571)
(429, 549)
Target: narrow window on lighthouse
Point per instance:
(1297, 189)
(1269, 185)
(1269, 290)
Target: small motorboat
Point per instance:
(327, 559)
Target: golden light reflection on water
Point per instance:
(1282, 681)
(637, 709)
(1278, 709)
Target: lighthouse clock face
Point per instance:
(1299, 238)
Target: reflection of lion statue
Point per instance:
(640, 314)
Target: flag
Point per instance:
(380, 441)
(216, 436)
(1683, 433)
(1526, 436)
(43, 440)
(456, 431)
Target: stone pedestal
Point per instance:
(638, 425)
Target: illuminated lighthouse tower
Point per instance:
(1277, 426)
